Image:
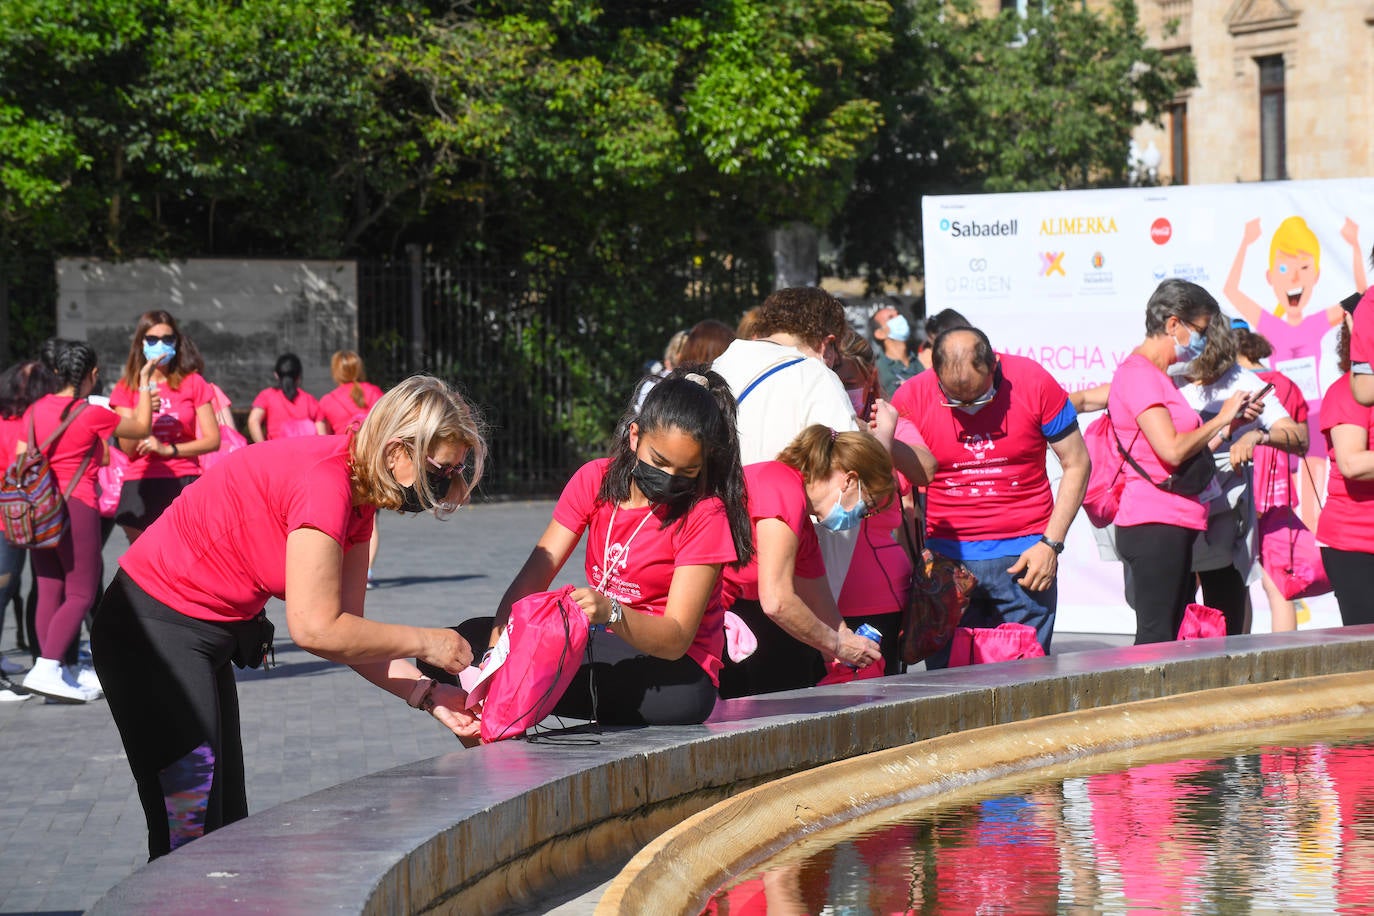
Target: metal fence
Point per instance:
(551, 360)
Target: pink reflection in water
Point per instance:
(1287, 829)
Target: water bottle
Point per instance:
(868, 632)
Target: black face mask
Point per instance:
(410, 500)
(658, 486)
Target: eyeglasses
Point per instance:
(154, 339)
(441, 475)
(984, 398)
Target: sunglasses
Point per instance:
(440, 476)
(153, 339)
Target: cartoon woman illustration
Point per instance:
(1296, 335)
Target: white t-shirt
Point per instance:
(784, 403)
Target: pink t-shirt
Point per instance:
(879, 576)
(776, 490)
(644, 555)
(288, 419)
(12, 430)
(1138, 385)
(85, 436)
(219, 551)
(340, 411)
(1347, 520)
(991, 483)
(1297, 342)
(174, 421)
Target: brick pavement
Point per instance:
(70, 823)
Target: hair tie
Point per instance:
(834, 434)
(699, 379)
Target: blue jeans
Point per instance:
(998, 599)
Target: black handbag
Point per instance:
(253, 642)
(1190, 478)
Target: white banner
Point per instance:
(1063, 277)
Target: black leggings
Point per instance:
(171, 691)
(617, 684)
(1225, 590)
(1352, 579)
(779, 663)
(1160, 581)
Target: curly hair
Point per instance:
(808, 313)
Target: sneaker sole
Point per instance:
(60, 698)
(9, 696)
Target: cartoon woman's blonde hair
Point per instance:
(1294, 237)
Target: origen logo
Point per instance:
(1098, 260)
(1161, 231)
(1052, 262)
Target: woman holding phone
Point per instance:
(163, 463)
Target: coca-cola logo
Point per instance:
(1161, 231)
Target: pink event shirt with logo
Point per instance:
(644, 573)
(1347, 519)
(776, 490)
(991, 483)
(219, 551)
(340, 411)
(279, 411)
(85, 436)
(1137, 386)
(174, 422)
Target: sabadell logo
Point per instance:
(1161, 231)
(960, 230)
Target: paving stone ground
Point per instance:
(70, 822)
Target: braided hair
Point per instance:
(71, 364)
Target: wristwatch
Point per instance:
(1056, 546)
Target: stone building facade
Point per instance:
(1283, 90)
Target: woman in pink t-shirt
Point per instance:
(1155, 529)
(784, 597)
(662, 515)
(286, 410)
(1346, 526)
(289, 520)
(20, 385)
(164, 463)
(344, 408)
(68, 575)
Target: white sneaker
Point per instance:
(8, 667)
(85, 676)
(48, 677)
(10, 692)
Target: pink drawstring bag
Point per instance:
(1003, 643)
(837, 672)
(740, 641)
(548, 635)
(110, 477)
(1201, 622)
(1289, 553)
(230, 439)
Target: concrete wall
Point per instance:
(241, 314)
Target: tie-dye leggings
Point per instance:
(170, 687)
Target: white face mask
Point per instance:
(898, 328)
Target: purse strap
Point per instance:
(756, 382)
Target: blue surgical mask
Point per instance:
(898, 328)
(159, 352)
(1192, 349)
(841, 519)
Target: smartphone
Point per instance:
(1261, 394)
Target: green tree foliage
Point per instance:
(1004, 103)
